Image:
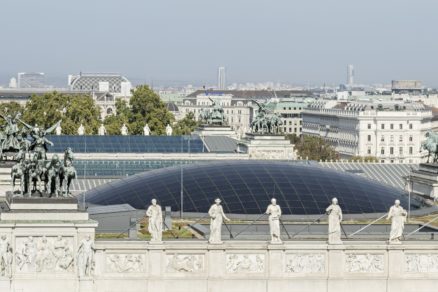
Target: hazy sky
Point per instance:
(300, 42)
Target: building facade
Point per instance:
(392, 132)
(239, 106)
(31, 80)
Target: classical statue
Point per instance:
(19, 171)
(54, 172)
(68, 171)
(274, 212)
(28, 254)
(101, 131)
(213, 116)
(58, 130)
(334, 222)
(10, 142)
(81, 130)
(217, 216)
(146, 130)
(169, 130)
(265, 122)
(44, 258)
(398, 218)
(85, 256)
(40, 142)
(5, 257)
(431, 145)
(124, 130)
(155, 226)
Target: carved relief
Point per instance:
(305, 263)
(421, 263)
(44, 254)
(5, 257)
(185, 263)
(125, 263)
(364, 263)
(245, 263)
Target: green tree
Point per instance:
(113, 123)
(315, 148)
(187, 125)
(45, 110)
(147, 107)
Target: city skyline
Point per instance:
(173, 42)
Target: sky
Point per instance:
(184, 41)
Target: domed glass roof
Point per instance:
(246, 187)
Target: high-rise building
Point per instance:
(221, 81)
(31, 80)
(350, 75)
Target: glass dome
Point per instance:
(246, 187)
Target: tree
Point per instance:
(315, 148)
(145, 106)
(187, 125)
(45, 110)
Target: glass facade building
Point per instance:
(246, 187)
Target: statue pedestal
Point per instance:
(44, 235)
(211, 130)
(268, 146)
(424, 181)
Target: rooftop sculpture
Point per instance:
(213, 116)
(38, 175)
(265, 122)
(431, 145)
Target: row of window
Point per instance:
(290, 123)
(391, 138)
(391, 151)
(289, 130)
(391, 126)
(290, 108)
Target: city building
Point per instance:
(31, 80)
(406, 86)
(290, 112)
(221, 79)
(105, 87)
(391, 131)
(350, 75)
(239, 105)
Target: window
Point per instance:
(369, 151)
(391, 126)
(400, 151)
(400, 126)
(382, 161)
(382, 126)
(411, 150)
(369, 126)
(382, 151)
(411, 138)
(400, 138)
(369, 138)
(290, 130)
(284, 129)
(295, 130)
(290, 122)
(391, 150)
(382, 139)
(410, 126)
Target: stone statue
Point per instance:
(81, 130)
(10, 143)
(102, 130)
(26, 259)
(63, 254)
(215, 116)
(217, 216)
(5, 257)
(431, 145)
(124, 130)
(68, 172)
(274, 212)
(146, 130)
(58, 130)
(85, 257)
(264, 122)
(155, 226)
(334, 222)
(45, 259)
(54, 173)
(398, 218)
(169, 130)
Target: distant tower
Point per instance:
(350, 75)
(221, 81)
(13, 83)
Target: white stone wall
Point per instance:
(179, 266)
